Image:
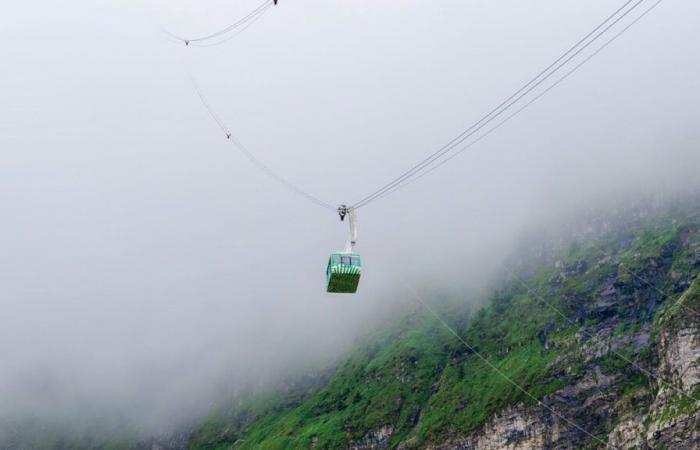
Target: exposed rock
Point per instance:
(680, 357)
(376, 439)
(516, 427)
(628, 433)
(593, 403)
(542, 426)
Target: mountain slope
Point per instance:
(589, 335)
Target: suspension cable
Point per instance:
(426, 166)
(251, 15)
(514, 98)
(236, 32)
(525, 106)
(255, 161)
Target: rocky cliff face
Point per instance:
(671, 420)
(662, 415)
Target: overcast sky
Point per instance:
(143, 258)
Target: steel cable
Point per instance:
(519, 110)
(496, 112)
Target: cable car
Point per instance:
(343, 272)
(344, 268)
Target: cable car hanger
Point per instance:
(344, 268)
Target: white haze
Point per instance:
(146, 265)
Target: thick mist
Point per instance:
(147, 267)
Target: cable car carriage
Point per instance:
(344, 268)
(343, 272)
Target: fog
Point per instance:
(146, 266)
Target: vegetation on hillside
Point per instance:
(419, 381)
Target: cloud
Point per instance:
(145, 263)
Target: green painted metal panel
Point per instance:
(343, 273)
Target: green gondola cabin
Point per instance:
(343, 272)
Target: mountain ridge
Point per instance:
(621, 298)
